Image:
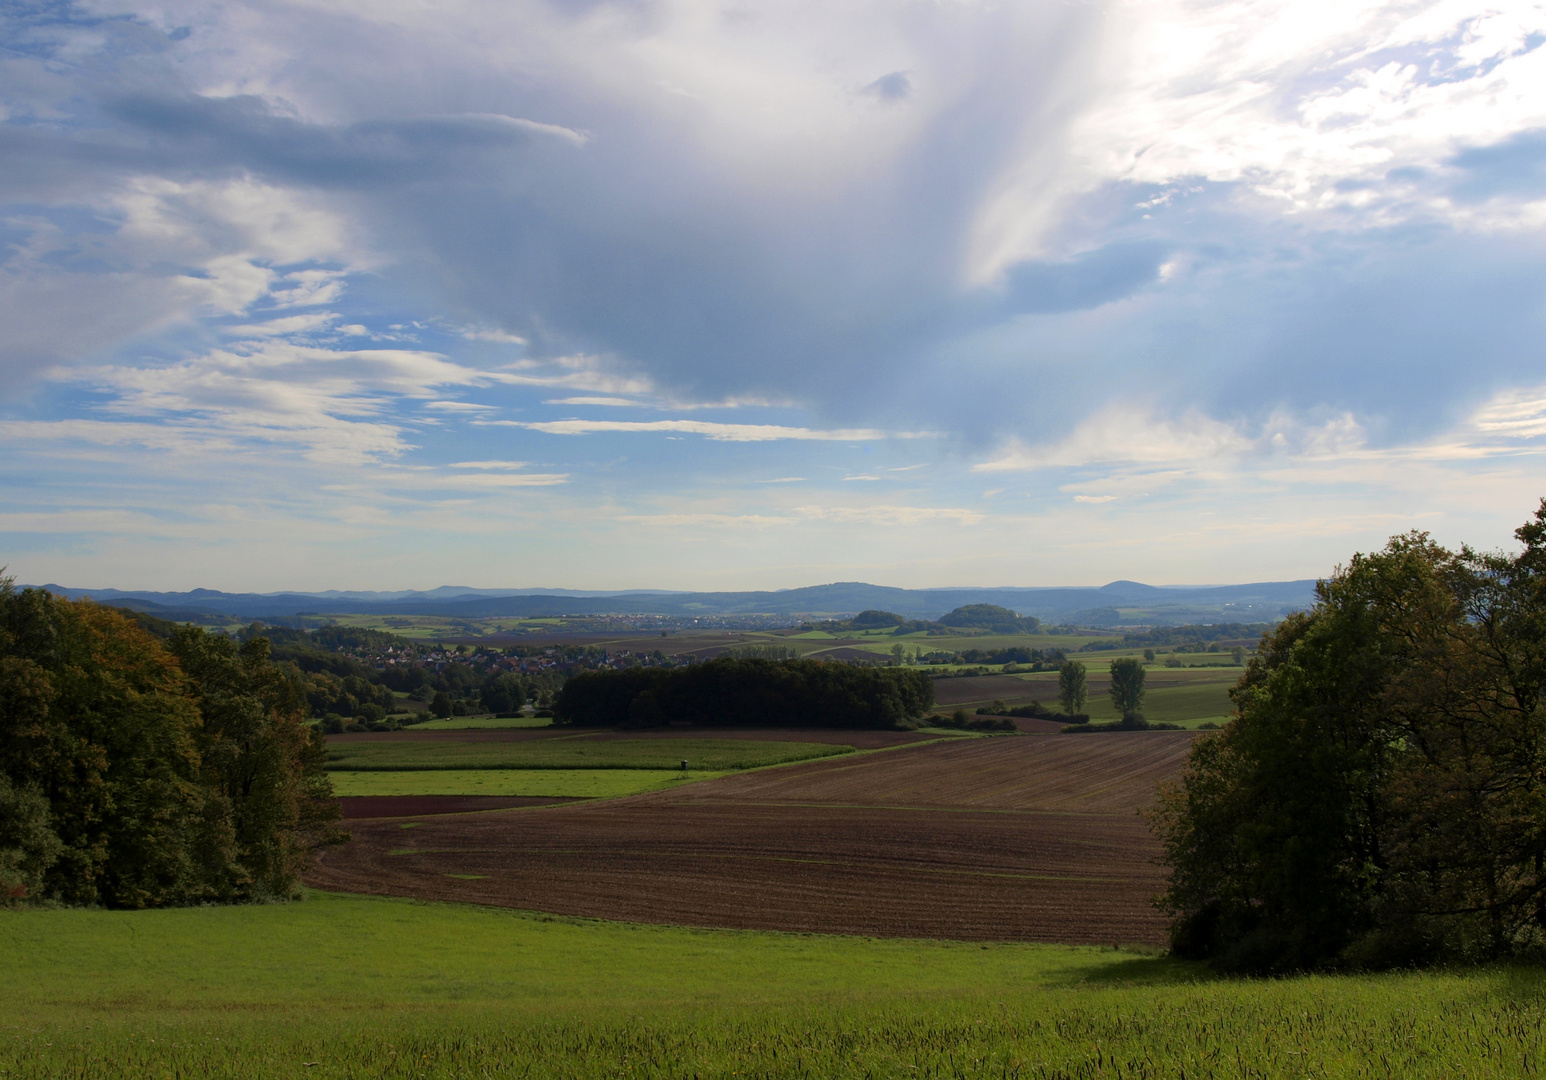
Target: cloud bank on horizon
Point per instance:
(683, 294)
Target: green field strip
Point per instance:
(484, 723)
(576, 752)
(551, 783)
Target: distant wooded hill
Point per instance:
(1109, 605)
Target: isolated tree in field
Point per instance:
(441, 704)
(1127, 676)
(898, 654)
(1073, 688)
(1237, 654)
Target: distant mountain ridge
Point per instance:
(1103, 605)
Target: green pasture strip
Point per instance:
(550, 783)
(1174, 704)
(1199, 697)
(358, 987)
(718, 755)
(479, 723)
(880, 643)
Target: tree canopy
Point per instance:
(1380, 797)
(136, 772)
(1073, 686)
(1127, 679)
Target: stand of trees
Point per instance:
(139, 772)
(748, 692)
(1380, 798)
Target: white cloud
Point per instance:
(1516, 414)
(576, 372)
(334, 406)
(840, 515)
(709, 429)
(311, 287)
(603, 401)
(293, 324)
(1129, 434)
(459, 407)
(499, 337)
(1298, 102)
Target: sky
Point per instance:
(380, 294)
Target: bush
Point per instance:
(28, 844)
(961, 722)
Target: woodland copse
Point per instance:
(748, 692)
(141, 772)
(1380, 798)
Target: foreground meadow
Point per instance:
(353, 987)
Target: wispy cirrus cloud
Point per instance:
(712, 430)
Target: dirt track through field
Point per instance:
(1030, 838)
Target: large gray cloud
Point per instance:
(635, 240)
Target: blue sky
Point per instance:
(746, 294)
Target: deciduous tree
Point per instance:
(1073, 687)
(1127, 679)
(1380, 796)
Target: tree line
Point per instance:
(748, 692)
(1380, 797)
(140, 772)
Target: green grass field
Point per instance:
(355, 987)
(1202, 696)
(718, 755)
(479, 723)
(549, 783)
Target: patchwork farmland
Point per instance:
(1029, 838)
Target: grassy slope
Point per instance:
(366, 987)
(552, 783)
(576, 753)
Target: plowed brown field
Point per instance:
(860, 740)
(380, 806)
(1030, 838)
